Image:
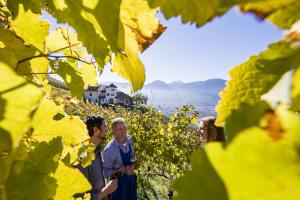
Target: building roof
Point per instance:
(112, 85)
(92, 88)
(102, 88)
(122, 95)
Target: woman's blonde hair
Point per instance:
(211, 132)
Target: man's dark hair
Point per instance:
(93, 121)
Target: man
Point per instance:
(118, 158)
(97, 130)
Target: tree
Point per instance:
(139, 98)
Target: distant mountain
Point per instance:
(157, 85)
(203, 95)
(176, 84)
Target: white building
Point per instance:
(104, 94)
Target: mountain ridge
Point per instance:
(203, 95)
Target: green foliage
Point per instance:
(139, 98)
(162, 147)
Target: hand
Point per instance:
(118, 170)
(129, 170)
(110, 187)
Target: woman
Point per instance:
(209, 132)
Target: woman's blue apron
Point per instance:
(127, 188)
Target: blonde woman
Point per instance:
(209, 132)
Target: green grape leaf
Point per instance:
(269, 165)
(16, 91)
(31, 28)
(246, 119)
(268, 67)
(29, 176)
(70, 128)
(295, 93)
(202, 182)
(74, 183)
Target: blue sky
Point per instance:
(188, 54)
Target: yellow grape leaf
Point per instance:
(140, 18)
(30, 174)
(198, 11)
(19, 99)
(72, 77)
(271, 167)
(31, 28)
(138, 30)
(77, 77)
(296, 91)
(267, 67)
(89, 74)
(12, 49)
(293, 35)
(202, 182)
(20, 58)
(33, 5)
(84, 20)
(68, 186)
(282, 13)
(286, 16)
(62, 38)
(129, 65)
(37, 67)
(246, 119)
(45, 127)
